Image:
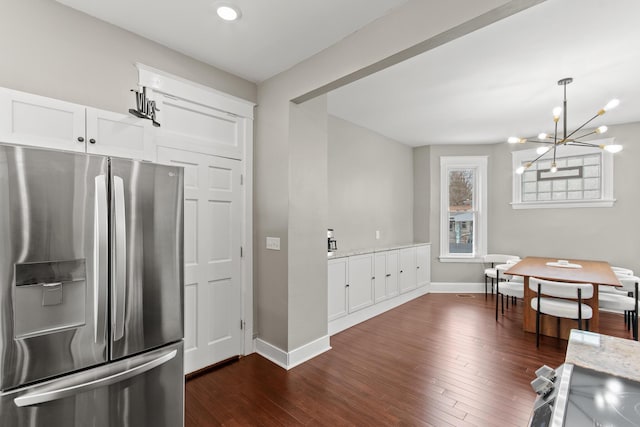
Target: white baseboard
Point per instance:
(296, 356)
(458, 287)
(345, 322)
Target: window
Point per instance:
(463, 201)
(584, 179)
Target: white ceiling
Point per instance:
(486, 86)
(502, 80)
(272, 35)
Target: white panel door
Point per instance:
(360, 282)
(408, 276)
(119, 135)
(338, 276)
(29, 119)
(212, 222)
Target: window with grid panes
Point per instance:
(584, 178)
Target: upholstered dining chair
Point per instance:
(627, 302)
(553, 299)
(492, 273)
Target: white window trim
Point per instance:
(480, 192)
(606, 201)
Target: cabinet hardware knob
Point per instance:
(418, 267)
(93, 141)
(346, 286)
(373, 278)
(389, 275)
(401, 271)
(80, 139)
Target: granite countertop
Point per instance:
(352, 252)
(611, 355)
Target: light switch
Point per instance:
(377, 234)
(273, 243)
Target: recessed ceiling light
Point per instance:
(228, 12)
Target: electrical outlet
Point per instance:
(273, 243)
(377, 234)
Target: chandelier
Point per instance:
(552, 142)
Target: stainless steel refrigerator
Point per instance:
(91, 291)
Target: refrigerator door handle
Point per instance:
(86, 381)
(100, 259)
(119, 273)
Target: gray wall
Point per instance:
(52, 50)
(609, 234)
(307, 222)
(275, 189)
(421, 194)
(370, 187)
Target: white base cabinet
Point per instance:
(338, 277)
(386, 277)
(360, 283)
(364, 285)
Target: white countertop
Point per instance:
(352, 252)
(611, 355)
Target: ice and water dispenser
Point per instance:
(49, 297)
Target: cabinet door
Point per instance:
(423, 264)
(28, 119)
(119, 135)
(189, 125)
(392, 273)
(360, 282)
(408, 276)
(338, 276)
(380, 281)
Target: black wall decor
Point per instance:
(145, 108)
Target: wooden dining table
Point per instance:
(594, 272)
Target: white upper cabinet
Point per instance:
(195, 127)
(28, 119)
(119, 135)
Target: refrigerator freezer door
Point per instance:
(147, 260)
(53, 257)
(141, 391)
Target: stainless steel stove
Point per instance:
(575, 396)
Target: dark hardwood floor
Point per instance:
(439, 360)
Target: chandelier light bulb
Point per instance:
(543, 135)
(556, 113)
(516, 140)
(520, 170)
(613, 148)
(611, 104)
(542, 150)
(554, 168)
(602, 129)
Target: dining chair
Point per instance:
(626, 303)
(622, 270)
(510, 289)
(553, 299)
(491, 273)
